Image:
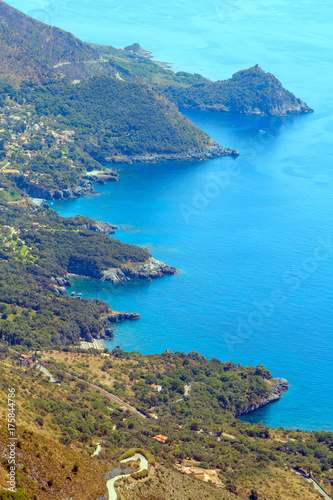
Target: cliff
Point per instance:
(197, 154)
(278, 387)
(84, 187)
(149, 270)
(249, 92)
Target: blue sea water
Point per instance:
(252, 237)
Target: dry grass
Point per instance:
(44, 466)
(167, 484)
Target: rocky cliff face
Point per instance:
(84, 187)
(279, 386)
(148, 270)
(151, 269)
(100, 227)
(116, 317)
(192, 155)
(250, 92)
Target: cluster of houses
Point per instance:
(19, 141)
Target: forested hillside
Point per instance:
(37, 245)
(117, 119)
(251, 461)
(250, 91)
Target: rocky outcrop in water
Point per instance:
(100, 227)
(192, 155)
(148, 270)
(279, 386)
(116, 317)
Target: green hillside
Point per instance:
(37, 245)
(251, 91)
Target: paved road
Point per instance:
(47, 373)
(316, 486)
(92, 61)
(110, 484)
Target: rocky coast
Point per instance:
(145, 271)
(278, 387)
(84, 187)
(201, 154)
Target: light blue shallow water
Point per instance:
(253, 236)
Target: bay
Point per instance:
(253, 236)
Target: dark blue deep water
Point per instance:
(252, 237)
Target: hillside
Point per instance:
(251, 92)
(122, 122)
(33, 51)
(57, 137)
(58, 427)
(38, 248)
(30, 49)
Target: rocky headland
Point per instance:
(278, 387)
(145, 271)
(118, 316)
(84, 187)
(251, 92)
(199, 154)
(148, 270)
(100, 227)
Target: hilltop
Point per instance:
(29, 49)
(33, 51)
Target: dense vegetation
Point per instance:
(200, 428)
(250, 91)
(113, 118)
(36, 245)
(55, 133)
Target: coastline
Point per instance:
(87, 182)
(201, 154)
(279, 387)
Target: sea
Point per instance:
(252, 236)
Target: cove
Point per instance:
(241, 232)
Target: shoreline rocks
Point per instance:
(100, 227)
(118, 316)
(85, 186)
(148, 270)
(278, 110)
(201, 154)
(279, 386)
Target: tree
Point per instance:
(253, 495)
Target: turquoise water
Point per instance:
(253, 236)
